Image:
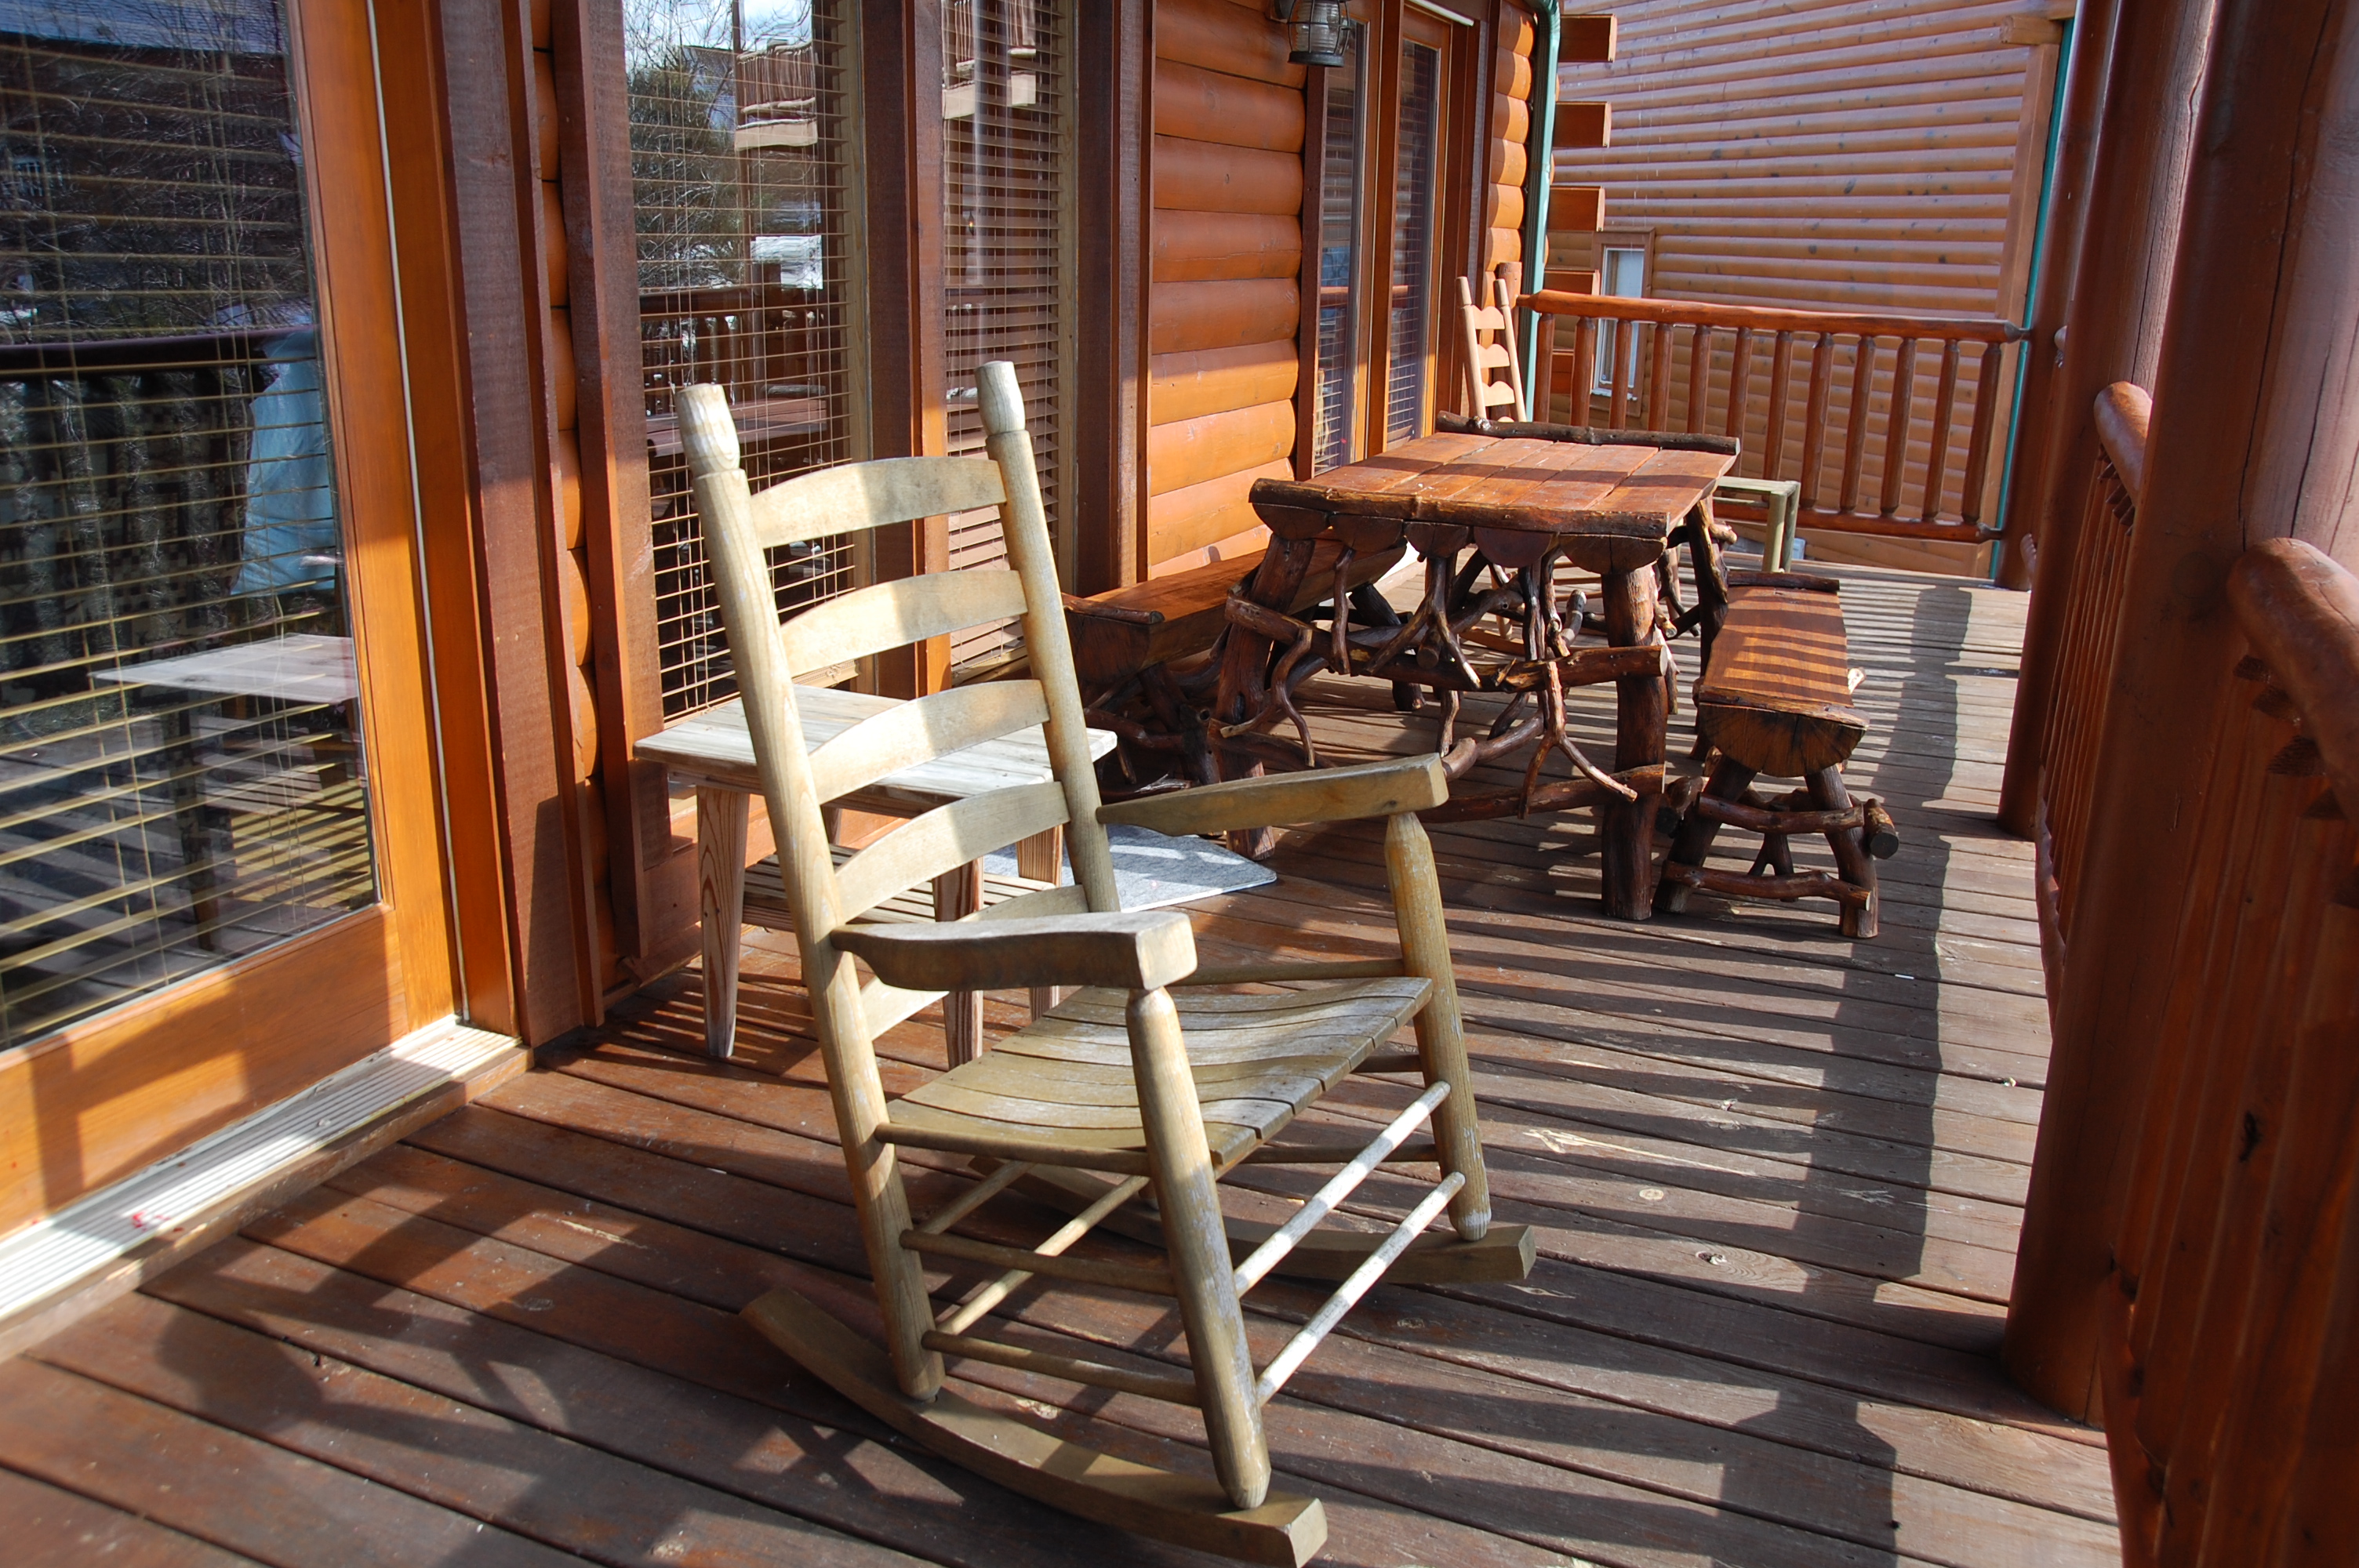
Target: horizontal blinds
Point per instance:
(1005, 98)
(740, 161)
(182, 780)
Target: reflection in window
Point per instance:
(1339, 257)
(1005, 241)
(182, 780)
(739, 168)
(1414, 218)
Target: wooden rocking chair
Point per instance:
(1150, 1078)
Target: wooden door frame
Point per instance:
(94, 1101)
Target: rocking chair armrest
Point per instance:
(1281, 800)
(1135, 952)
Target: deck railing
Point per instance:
(1887, 421)
(2082, 676)
(2230, 1349)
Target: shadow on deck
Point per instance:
(1776, 1174)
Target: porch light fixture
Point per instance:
(1317, 30)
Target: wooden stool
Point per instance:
(1774, 698)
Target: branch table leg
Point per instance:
(1625, 828)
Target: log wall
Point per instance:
(1223, 296)
(1849, 154)
(1225, 299)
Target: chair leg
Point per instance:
(1197, 1245)
(958, 893)
(721, 819)
(1852, 859)
(878, 1198)
(1729, 781)
(1440, 1028)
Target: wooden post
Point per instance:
(2112, 314)
(1113, 60)
(2256, 436)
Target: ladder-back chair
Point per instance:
(1132, 1098)
(1489, 347)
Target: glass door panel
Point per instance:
(1408, 325)
(182, 776)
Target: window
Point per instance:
(1393, 177)
(181, 775)
(1409, 356)
(1005, 124)
(1622, 272)
(1339, 257)
(743, 209)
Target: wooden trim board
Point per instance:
(107, 1243)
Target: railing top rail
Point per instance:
(1762, 318)
(2124, 411)
(2301, 610)
(93, 356)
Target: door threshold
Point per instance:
(106, 1244)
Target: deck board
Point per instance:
(1776, 1176)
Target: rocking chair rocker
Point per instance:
(1149, 1077)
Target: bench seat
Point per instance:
(1775, 700)
(1119, 633)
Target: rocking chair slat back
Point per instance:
(947, 835)
(897, 613)
(916, 731)
(871, 495)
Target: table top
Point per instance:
(714, 750)
(303, 668)
(1517, 483)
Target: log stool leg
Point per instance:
(1851, 859)
(1729, 782)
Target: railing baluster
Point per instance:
(1584, 369)
(1895, 427)
(1945, 408)
(1773, 438)
(1543, 371)
(1863, 393)
(1626, 346)
(1978, 448)
(1740, 382)
(1699, 376)
(1814, 417)
(1659, 379)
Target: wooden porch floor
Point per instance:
(1776, 1174)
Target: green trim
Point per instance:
(1540, 161)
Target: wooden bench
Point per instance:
(1774, 698)
(1119, 634)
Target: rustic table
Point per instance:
(711, 752)
(1525, 506)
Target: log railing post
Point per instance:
(2255, 434)
(1937, 453)
(2114, 287)
(1863, 393)
(1773, 438)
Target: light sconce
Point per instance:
(1317, 30)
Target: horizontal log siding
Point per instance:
(1842, 155)
(1510, 130)
(1225, 301)
(1849, 154)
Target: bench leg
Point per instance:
(720, 903)
(958, 893)
(1729, 782)
(1852, 859)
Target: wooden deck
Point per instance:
(1776, 1176)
